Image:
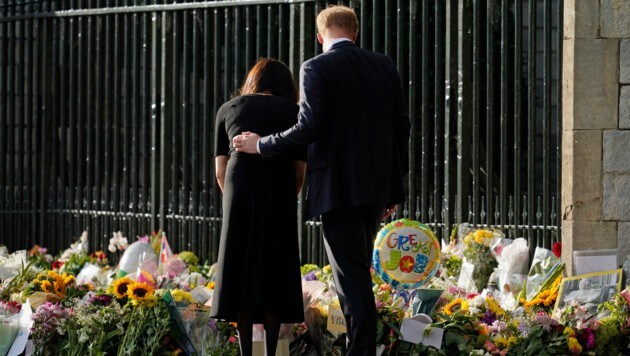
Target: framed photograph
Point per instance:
(589, 289)
(590, 261)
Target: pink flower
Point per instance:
(626, 295)
(175, 266)
(232, 340)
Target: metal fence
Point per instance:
(107, 112)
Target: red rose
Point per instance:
(557, 249)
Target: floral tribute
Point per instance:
(81, 305)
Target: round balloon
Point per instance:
(130, 260)
(406, 254)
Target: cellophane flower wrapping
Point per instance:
(544, 270)
(478, 244)
(9, 325)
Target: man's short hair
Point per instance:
(338, 16)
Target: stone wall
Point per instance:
(596, 127)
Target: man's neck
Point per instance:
(329, 43)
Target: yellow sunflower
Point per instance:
(121, 287)
(60, 289)
(46, 286)
(139, 291)
(455, 305)
(210, 285)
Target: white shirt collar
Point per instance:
(334, 42)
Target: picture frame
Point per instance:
(590, 261)
(589, 289)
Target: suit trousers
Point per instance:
(349, 235)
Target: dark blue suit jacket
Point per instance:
(354, 119)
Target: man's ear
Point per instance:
(320, 38)
(356, 35)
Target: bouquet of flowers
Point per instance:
(479, 261)
(9, 326)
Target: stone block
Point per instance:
(582, 175)
(617, 151)
(614, 19)
(581, 19)
(590, 235)
(624, 107)
(595, 87)
(615, 204)
(624, 62)
(623, 241)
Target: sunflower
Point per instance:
(455, 306)
(121, 286)
(210, 285)
(139, 291)
(46, 286)
(60, 289)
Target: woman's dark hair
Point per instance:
(272, 75)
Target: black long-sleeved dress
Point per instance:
(258, 263)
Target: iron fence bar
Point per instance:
(518, 52)
(504, 112)
(490, 112)
(559, 50)
(165, 114)
(425, 113)
(465, 100)
(207, 171)
(531, 117)
(476, 112)
(413, 9)
(546, 124)
(439, 117)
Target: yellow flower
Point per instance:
(512, 340)
(323, 311)
(456, 305)
(501, 342)
(574, 345)
(68, 279)
(210, 285)
(46, 286)
(569, 332)
(139, 291)
(150, 300)
(327, 269)
(482, 235)
(121, 286)
(494, 306)
(180, 295)
(470, 237)
(60, 289)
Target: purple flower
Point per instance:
(488, 318)
(589, 338)
(103, 300)
(545, 321)
(310, 276)
(212, 324)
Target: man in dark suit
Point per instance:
(354, 121)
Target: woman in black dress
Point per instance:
(258, 279)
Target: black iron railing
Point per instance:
(107, 111)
